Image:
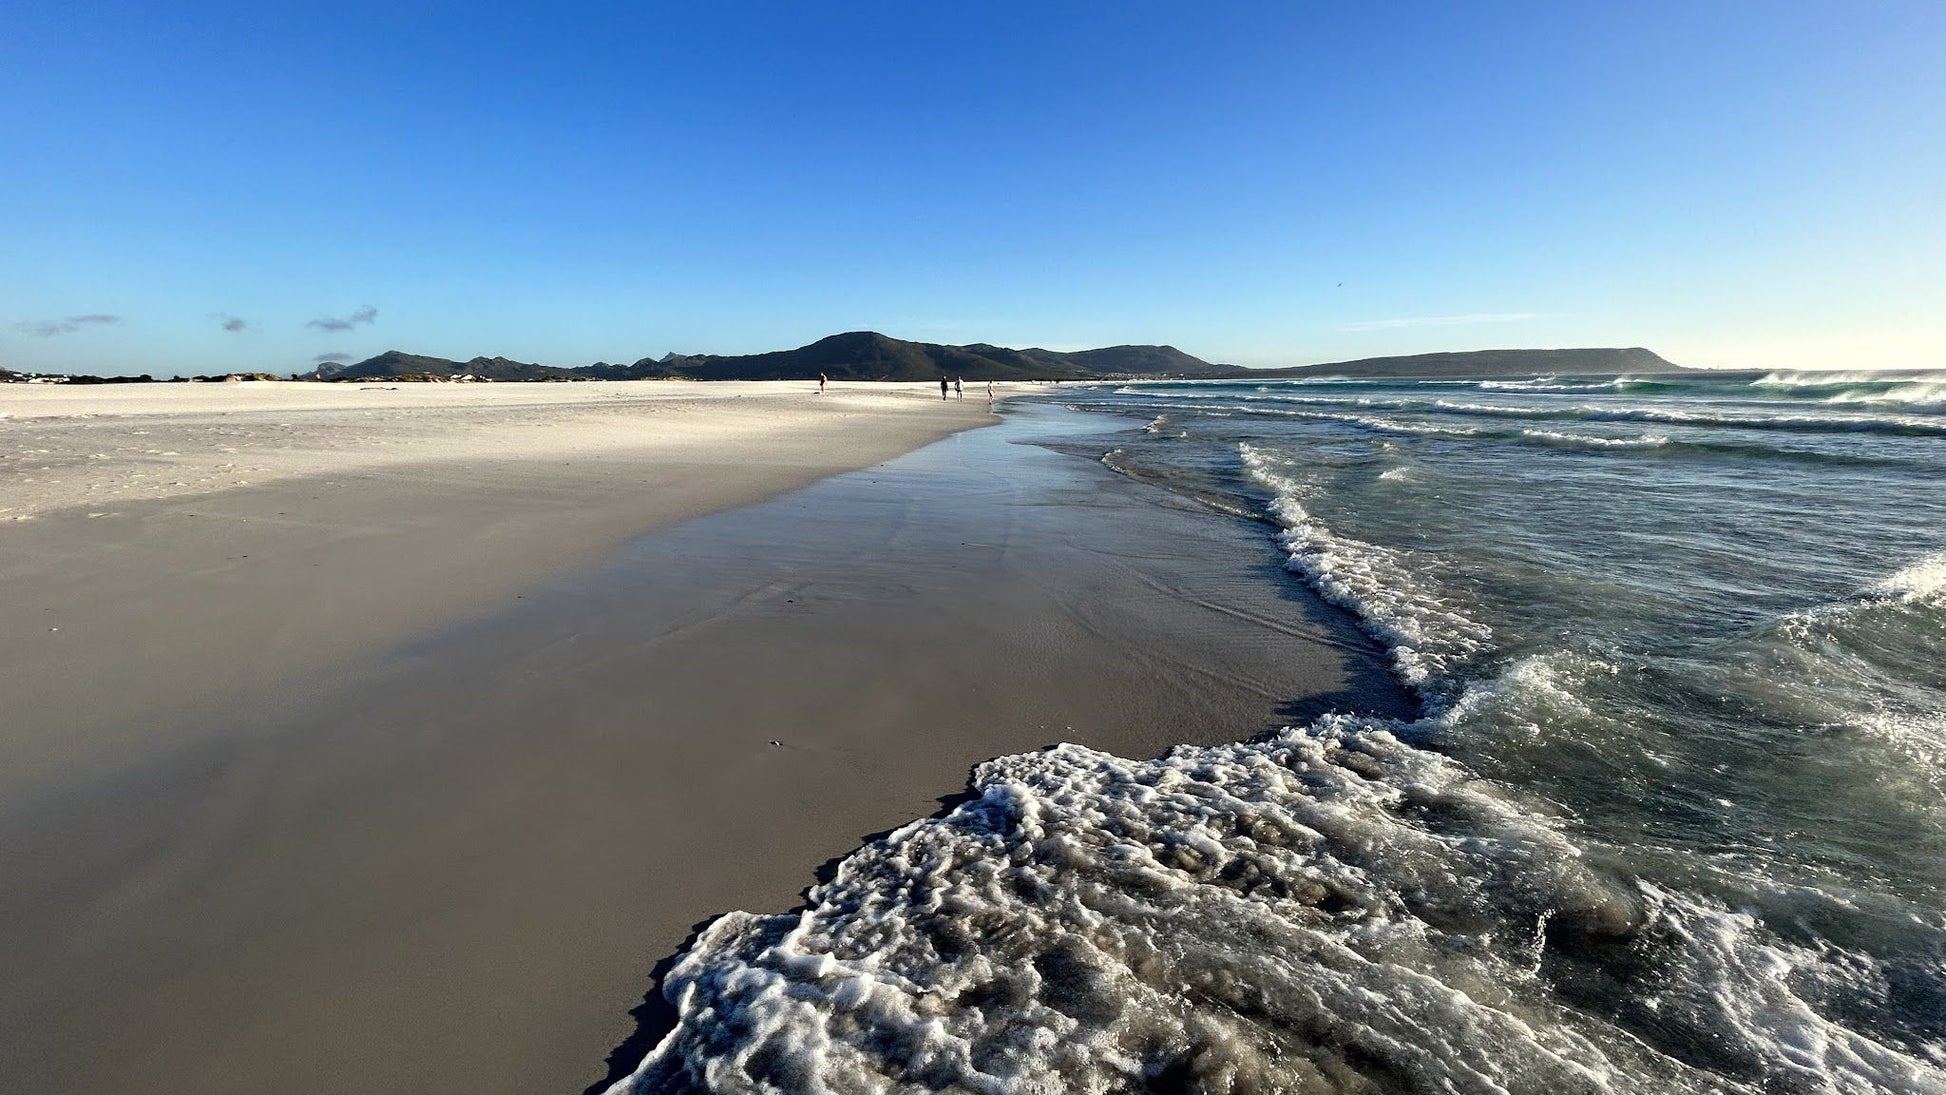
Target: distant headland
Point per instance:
(868, 355)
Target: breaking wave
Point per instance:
(1821, 423)
(1834, 421)
(1429, 636)
(1924, 580)
(1907, 390)
(1331, 910)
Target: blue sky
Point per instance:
(205, 187)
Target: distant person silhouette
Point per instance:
(957, 390)
(821, 380)
(942, 387)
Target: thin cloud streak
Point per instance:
(330, 359)
(231, 323)
(49, 328)
(1441, 321)
(367, 314)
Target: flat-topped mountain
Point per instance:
(1492, 363)
(854, 355)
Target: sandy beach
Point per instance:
(174, 546)
(404, 765)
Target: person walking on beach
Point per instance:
(942, 387)
(821, 379)
(957, 390)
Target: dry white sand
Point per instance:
(169, 547)
(64, 446)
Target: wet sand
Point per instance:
(167, 549)
(456, 867)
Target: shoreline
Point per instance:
(237, 540)
(456, 866)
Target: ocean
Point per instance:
(1671, 815)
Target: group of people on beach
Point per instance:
(961, 392)
(945, 386)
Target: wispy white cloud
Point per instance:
(1441, 321)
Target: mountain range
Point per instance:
(855, 355)
(868, 355)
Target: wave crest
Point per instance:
(1429, 636)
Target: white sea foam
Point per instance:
(1742, 986)
(1251, 918)
(1910, 390)
(1427, 429)
(1589, 412)
(1392, 425)
(1532, 692)
(1582, 440)
(1923, 580)
(1785, 378)
(1819, 423)
(1552, 384)
(1430, 636)
(1843, 378)
(1330, 910)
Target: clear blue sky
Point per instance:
(1759, 184)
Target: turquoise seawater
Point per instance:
(1672, 816)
